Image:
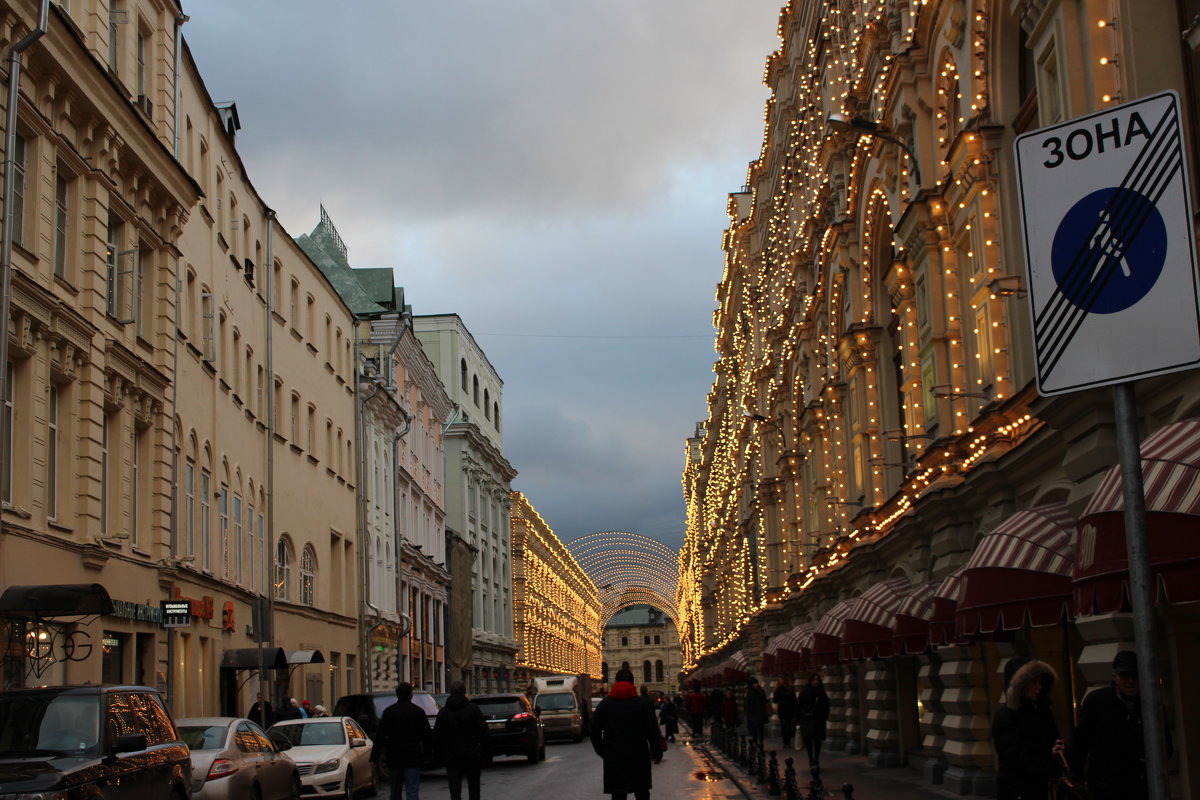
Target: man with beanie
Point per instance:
(460, 741)
(1108, 749)
(625, 734)
(404, 738)
(1025, 734)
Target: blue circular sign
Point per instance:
(1109, 250)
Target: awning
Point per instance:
(827, 636)
(913, 618)
(249, 658)
(945, 604)
(1171, 478)
(1019, 572)
(737, 667)
(55, 600)
(794, 647)
(871, 620)
(305, 657)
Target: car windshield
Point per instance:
(557, 701)
(499, 706)
(426, 702)
(53, 723)
(204, 737)
(312, 733)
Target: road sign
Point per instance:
(1110, 247)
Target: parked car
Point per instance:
(233, 758)
(513, 726)
(332, 754)
(91, 741)
(366, 709)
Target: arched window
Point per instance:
(645, 672)
(283, 568)
(308, 576)
(496, 414)
(475, 390)
(462, 374)
(658, 671)
(487, 404)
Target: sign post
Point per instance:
(1113, 291)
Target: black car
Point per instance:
(91, 741)
(514, 728)
(366, 709)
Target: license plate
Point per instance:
(496, 724)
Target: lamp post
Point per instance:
(866, 127)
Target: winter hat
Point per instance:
(1125, 661)
(1010, 669)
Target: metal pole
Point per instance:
(1140, 586)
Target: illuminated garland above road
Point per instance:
(629, 569)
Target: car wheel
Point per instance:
(542, 752)
(294, 787)
(349, 784)
(373, 786)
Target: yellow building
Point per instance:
(643, 639)
(874, 433)
(556, 606)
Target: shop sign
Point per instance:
(176, 613)
(202, 608)
(227, 621)
(140, 612)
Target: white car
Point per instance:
(232, 758)
(333, 755)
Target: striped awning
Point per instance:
(945, 603)
(911, 634)
(1020, 572)
(1171, 479)
(793, 648)
(737, 667)
(871, 620)
(827, 636)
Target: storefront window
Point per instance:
(112, 646)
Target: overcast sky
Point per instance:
(554, 171)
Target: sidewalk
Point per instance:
(837, 769)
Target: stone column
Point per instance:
(883, 722)
(837, 734)
(966, 722)
(931, 759)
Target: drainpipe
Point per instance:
(10, 189)
(405, 619)
(268, 542)
(182, 18)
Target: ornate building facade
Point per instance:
(644, 639)
(556, 606)
(877, 468)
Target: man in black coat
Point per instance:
(1108, 749)
(625, 734)
(1025, 734)
(460, 741)
(404, 738)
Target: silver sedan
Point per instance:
(232, 759)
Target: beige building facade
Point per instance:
(876, 456)
(643, 639)
(556, 606)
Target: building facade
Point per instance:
(556, 606)
(877, 463)
(478, 487)
(643, 639)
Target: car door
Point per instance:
(360, 757)
(275, 769)
(142, 774)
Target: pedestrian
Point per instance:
(716, 702)
(262, 712)
(784, 698)
(812, 711)
(404, 738)
(288, 710)
(729, 710)
(669, 718)
(757, 709)
(460, 741)
(697, 709)
(1108, 751)
(1025, 734)
(306, 709)
(320, 711)
(625, 735)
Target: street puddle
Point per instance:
(708, 776)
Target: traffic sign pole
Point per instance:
(1141, 587)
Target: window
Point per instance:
(295, 433)
(239, 544)
(223, 530)
(205, 519)
(283, 569)
(62, 208)
(135, 500)
(18, 209)
(105, 483)
(487, 404)
(475, 390)
(462, 374)
(116, 17)
(142, 92)
(658, 671)
(208, 326)
(307, 576)
(645, 672)
(117, 273)
(645, 640)
(294, 311)
(143, 306)
(496, 415)
(52, 440)
(624, 641)
(311, 440)
(251, 575)
(6, 432)
(189, 507)
(657, 639)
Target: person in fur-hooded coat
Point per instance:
(1025, 734)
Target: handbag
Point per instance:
(662, 743)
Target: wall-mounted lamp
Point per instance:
(866, 127)
(837, 501)
(1006, 286)
(946, 390)
(904, 437)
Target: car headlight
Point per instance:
(327, 766)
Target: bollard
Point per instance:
(761, 759)
(848, 791)
(743, 757)
(773, 788)
(791, 791)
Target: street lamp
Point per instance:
(866, 127)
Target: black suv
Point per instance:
(514, 728)
(366, 709)
(91, 741)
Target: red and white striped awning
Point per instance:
(871, 620)
(911, 634)
(737, 666)
(1020, 572)
(793, 648)
(1171, 479)
(945, 604)
(827, 636)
